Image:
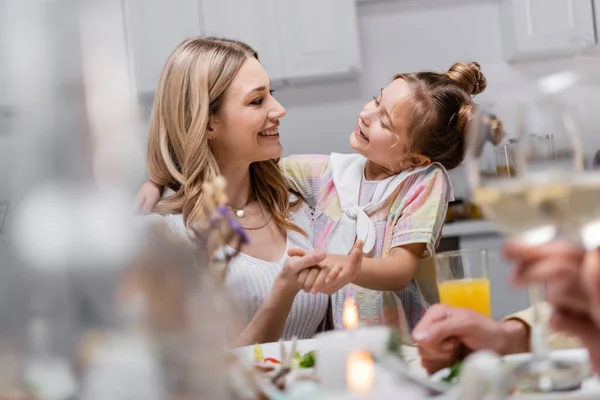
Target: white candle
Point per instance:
(360, 372)
(333, 348)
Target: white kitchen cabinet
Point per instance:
(4, 58)
(534, 29)
(251, 21)
(319, 38)
(5, 100)
(297, 41)
(154, 28)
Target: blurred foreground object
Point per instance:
(95, 304)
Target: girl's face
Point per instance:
(382, 132)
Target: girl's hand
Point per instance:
(146, 198)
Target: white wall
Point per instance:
(406, 36)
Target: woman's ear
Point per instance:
(213, 127)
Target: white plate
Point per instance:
(572, 355)
(273, 350)
(589, 391)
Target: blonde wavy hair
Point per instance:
(191, 90)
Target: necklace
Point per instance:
(254, 228)
(239, 211)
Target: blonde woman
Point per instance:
(214, 115)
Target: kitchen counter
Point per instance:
(469, 228)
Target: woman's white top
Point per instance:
(251, 279)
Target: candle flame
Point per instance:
(350, 315)
(360, 371)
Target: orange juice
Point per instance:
(473, 294)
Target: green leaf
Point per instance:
(308, 360)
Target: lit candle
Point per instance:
(334, 347)
(350, 314)
(360, 372)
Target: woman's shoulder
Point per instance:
(171, 222)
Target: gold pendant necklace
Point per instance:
(239, 211)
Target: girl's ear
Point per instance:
(418, 160)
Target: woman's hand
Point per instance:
(146, 198)
(446, 334)
(336, 271)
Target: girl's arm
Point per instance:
(414, 237)
(302, 174)
(393, 272)
(147, 197)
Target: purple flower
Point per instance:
(233, 223)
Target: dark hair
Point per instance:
(441, 107)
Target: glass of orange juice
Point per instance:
(463, 281)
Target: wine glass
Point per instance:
(531, 203)
(583, 215)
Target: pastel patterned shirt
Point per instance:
(415, 214)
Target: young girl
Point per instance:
(393, 194)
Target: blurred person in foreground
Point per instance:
(447, 334)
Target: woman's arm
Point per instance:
(301, 172)
(269, 321)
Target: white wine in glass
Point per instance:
(534, 203)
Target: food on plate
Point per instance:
(453, 376)
(258, 353)
(300, 361)
(306, 361)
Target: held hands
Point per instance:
(298, 262)
(334, 272)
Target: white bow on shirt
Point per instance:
(347, 171)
